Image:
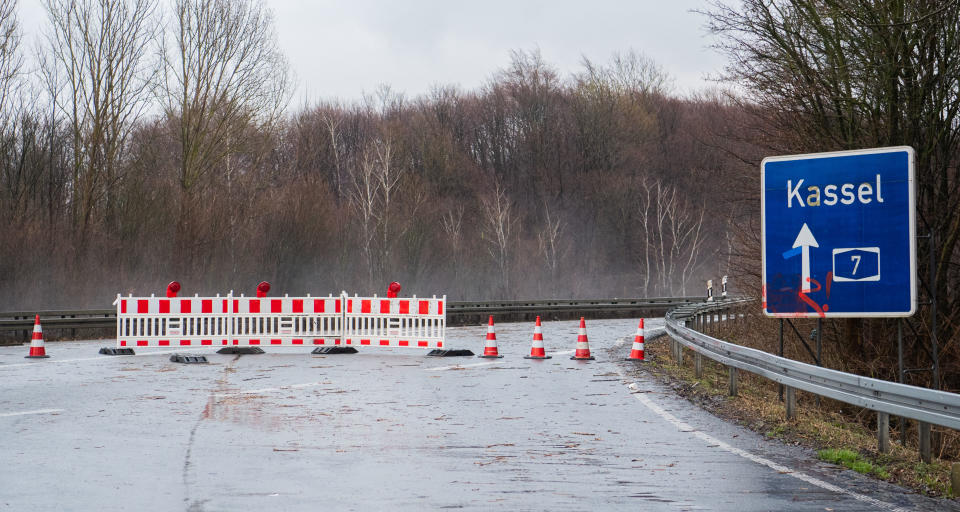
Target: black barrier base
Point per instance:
(188, 359)
(489, 357)
(35, 357)
(537, 357)
(460, 352)
(334, 350)
(240, 350)
(575, 358)
(110, 351)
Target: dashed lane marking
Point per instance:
(25, 413)
(712, 441)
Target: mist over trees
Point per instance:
(143, 141)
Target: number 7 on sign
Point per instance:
(856, 264)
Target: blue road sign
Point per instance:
(838, 235)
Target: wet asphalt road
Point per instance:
(392, 430)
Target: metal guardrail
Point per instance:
(891, 398)
(78, 319)
(106, 318)
(544, 307)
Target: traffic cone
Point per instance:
(637, 353)
(490, 349)
(536, 350)
(36, 342)
(583, 345)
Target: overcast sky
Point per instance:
(340, 49)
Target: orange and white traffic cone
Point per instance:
(536, 350)
(36, 342)
(583, 345)
(490, 348)
(637, 353)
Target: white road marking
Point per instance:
(712, 441)
(24, 413)
(647, 333)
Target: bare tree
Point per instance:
(644, 212)
(15, 181)
(332, 126)
(686, 233)
(388, 177)
(364, 201)
(499, 229)
(549, 242)
(452, 223)
(223, 71)
(98, 69)
(11, 59)
(629, 73)
(672, 230)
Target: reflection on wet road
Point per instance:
(391, 429)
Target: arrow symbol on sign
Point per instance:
(805, 241)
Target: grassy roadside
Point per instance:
(825, 428)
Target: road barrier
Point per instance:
(457, 312)
(283, 321)
(394, 322)
(927, 406)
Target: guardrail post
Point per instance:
(780, 353)
(679, 354)
(924, 430)
(733, 381)
(883, 432)
(791, 402)
(698, 365)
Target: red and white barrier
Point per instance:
(164, 322)
(281, 321)
(286, 321)
(394, 322)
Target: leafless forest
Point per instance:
(143, 141)
(133, 156)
